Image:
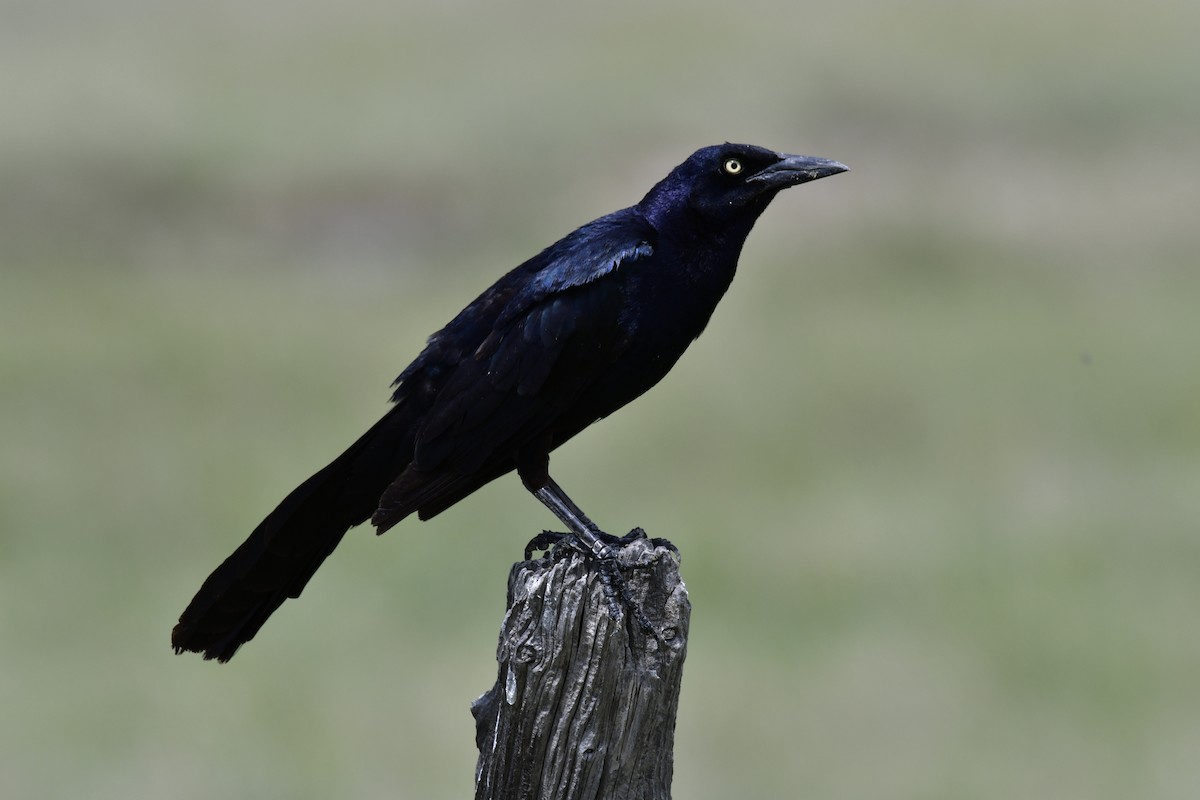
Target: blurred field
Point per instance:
(934, 467)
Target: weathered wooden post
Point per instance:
(584, 704)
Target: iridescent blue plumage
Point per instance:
(566, 338)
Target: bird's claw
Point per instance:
(549, 541)
(617, 594)
(557, 545)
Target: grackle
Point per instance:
(566, 338)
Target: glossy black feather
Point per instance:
(566, 338)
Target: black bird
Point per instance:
(566, 338)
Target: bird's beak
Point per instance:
(794, 170)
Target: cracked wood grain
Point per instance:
(584, 704)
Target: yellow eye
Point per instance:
(732, 166)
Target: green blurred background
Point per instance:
(934, 467)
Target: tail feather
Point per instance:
(287, 547)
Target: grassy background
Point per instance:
(934, 468)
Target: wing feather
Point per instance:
(555, 327)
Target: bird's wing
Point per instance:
(557, 331)
(552, 337)
(585, 262)
(588, 253)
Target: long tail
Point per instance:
(289, 545)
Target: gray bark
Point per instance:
(584, 704)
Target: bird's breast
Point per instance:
(668, 302)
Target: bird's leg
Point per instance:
(592, 539)
(588, 533)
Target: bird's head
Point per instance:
(727, 186)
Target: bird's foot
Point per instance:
(555, 545)
(616, 592)
(559, 545)
(549, 542)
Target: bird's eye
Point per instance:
(732, 166)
